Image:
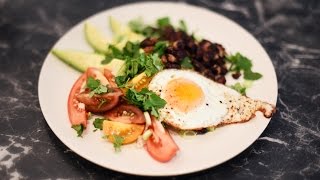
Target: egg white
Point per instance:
(209, 113)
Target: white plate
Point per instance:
(196, 153)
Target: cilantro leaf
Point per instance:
(182, 26)
(116, 53)
(136, 25)
(131, 49)
(92, 83)
(160, 47)
(242, 63)
(97, 123)
(153, 65)
(79, 129)
(95, 86)
(162, 22)
(117, 142)
(240, 88)
(146, 99)
(249, 75)
(186, 63)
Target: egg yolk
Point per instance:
(183, 94)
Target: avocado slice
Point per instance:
(81, 61)
(96, 38)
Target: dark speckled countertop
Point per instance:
(289, 148)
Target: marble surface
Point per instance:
(288, 149)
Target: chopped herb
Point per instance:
(116, 53)
(160, 47)
(108, 58)
(163, 22)
(150, 64)
(186, 63)
(79, 128)
(97, 123)
(131, 49)
(146, 99)
(117, 142)
(153, 64)
(240, 62)
(95, 86)
(249, 75)
(92, 83)
(136, 25)
(102, 101)
(183, 26)
(241, 88)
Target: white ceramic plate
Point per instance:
(196, 153)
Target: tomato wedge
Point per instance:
(77, 114)
(107, 73)
(97, 74)
(126, 113)
(100, 103)
(160, 145)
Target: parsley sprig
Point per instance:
(95, 86)
(79, 129)
(241, 63)
(150, 64)
(146, 100)
(117, 142)
(98, 122)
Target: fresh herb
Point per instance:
(137, 25)
(183, 26)
(186, 63)
(116, 53)
(146, 100)
(102, 101)
(131, 49)
(160, 47)
(242, 87)
(150, 64)
(117, 142)
(163, 22)
(79, 128)
(97, 123)
(242, 63)
(153, 64)
(95, 86)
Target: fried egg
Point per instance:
(195, 102)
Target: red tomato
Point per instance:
(107, 73)
(77, 115)
(161, 145)
(100, 103)
(127, 114)
(97, 74)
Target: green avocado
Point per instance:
(81, 61)
(95, 38)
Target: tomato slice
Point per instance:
(126, 113)
(160, 145)
(77, 114)
(107, 73)
(97, 74)
(100, 103)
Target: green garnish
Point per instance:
(160, 47)
(186, 63)
(183, 26)
(241, 88)
(163, 22)
(117, 143)
(95, 86)
(97, 123)
(79, 129)
(146, 100)
(242, 63)
(150, 64)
